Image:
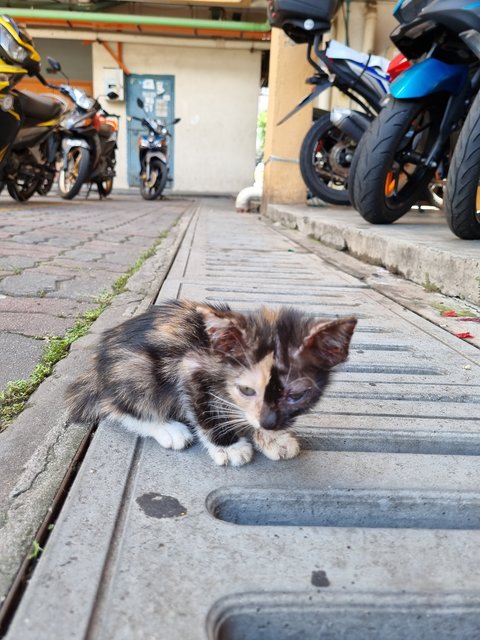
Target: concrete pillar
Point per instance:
(370, 27)
(288, 70)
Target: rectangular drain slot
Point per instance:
(269, 616)
(384, 441)
(363, 508)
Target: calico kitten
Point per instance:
(233, 378)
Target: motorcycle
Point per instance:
(89, 142)
(153, 155)
(411, 141)
(329, 145)
(29, 123)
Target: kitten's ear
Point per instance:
(327, 343)
(225, 328)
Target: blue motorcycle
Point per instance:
(412, 139)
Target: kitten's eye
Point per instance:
(295, 397)
(247, 391)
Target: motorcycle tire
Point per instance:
(22, 191)
(325, 157)
(70, 181)
(44, 187)
(105, 187)
(462, 200)
(386, 183)
(152, 189)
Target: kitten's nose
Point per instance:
(268, 419)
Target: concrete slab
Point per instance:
(375, 535)
(419, 246)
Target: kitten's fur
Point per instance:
(232, 378)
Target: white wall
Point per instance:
(216, 96)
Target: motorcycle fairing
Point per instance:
(316, 91)
(155, 154)
(427, 77)
(10, 122)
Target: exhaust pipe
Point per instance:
(351, 122)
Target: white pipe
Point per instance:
(132, 38)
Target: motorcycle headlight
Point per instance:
(11, 48)
(472, 39)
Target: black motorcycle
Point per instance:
(89, 142)
(412, 139)
(153, 155)
(328, 148)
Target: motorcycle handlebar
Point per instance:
(46, 83)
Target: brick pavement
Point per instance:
(57, 257)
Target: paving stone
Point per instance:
(78, 265)
(16, 262)
(18, 355)
(87, 287)
(29, 306)
(31, 283)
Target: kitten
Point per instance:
(233, 378)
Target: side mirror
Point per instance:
(55, 66)
(111, 95)
(176, 120)
(140, 103)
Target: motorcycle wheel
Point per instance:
(325, 157)
(45, 185)
(462, 201)
(388, 175)
(71, 179)
(105, 187)
(22, 188)
(152, 189)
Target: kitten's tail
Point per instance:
(82, 400)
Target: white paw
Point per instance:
(235, 454)
(173, 435)
(276, 445)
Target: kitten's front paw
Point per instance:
(235, 454)
(173, 435)
(276, 445)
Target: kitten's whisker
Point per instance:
(222, 429)
(224, 401)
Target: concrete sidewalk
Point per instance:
(419, 247)
(371, 533)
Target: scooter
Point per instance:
(328, 148)
(153, 154)
(89, 142)
(412, 139)
(29, 124)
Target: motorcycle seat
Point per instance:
(36, 108)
